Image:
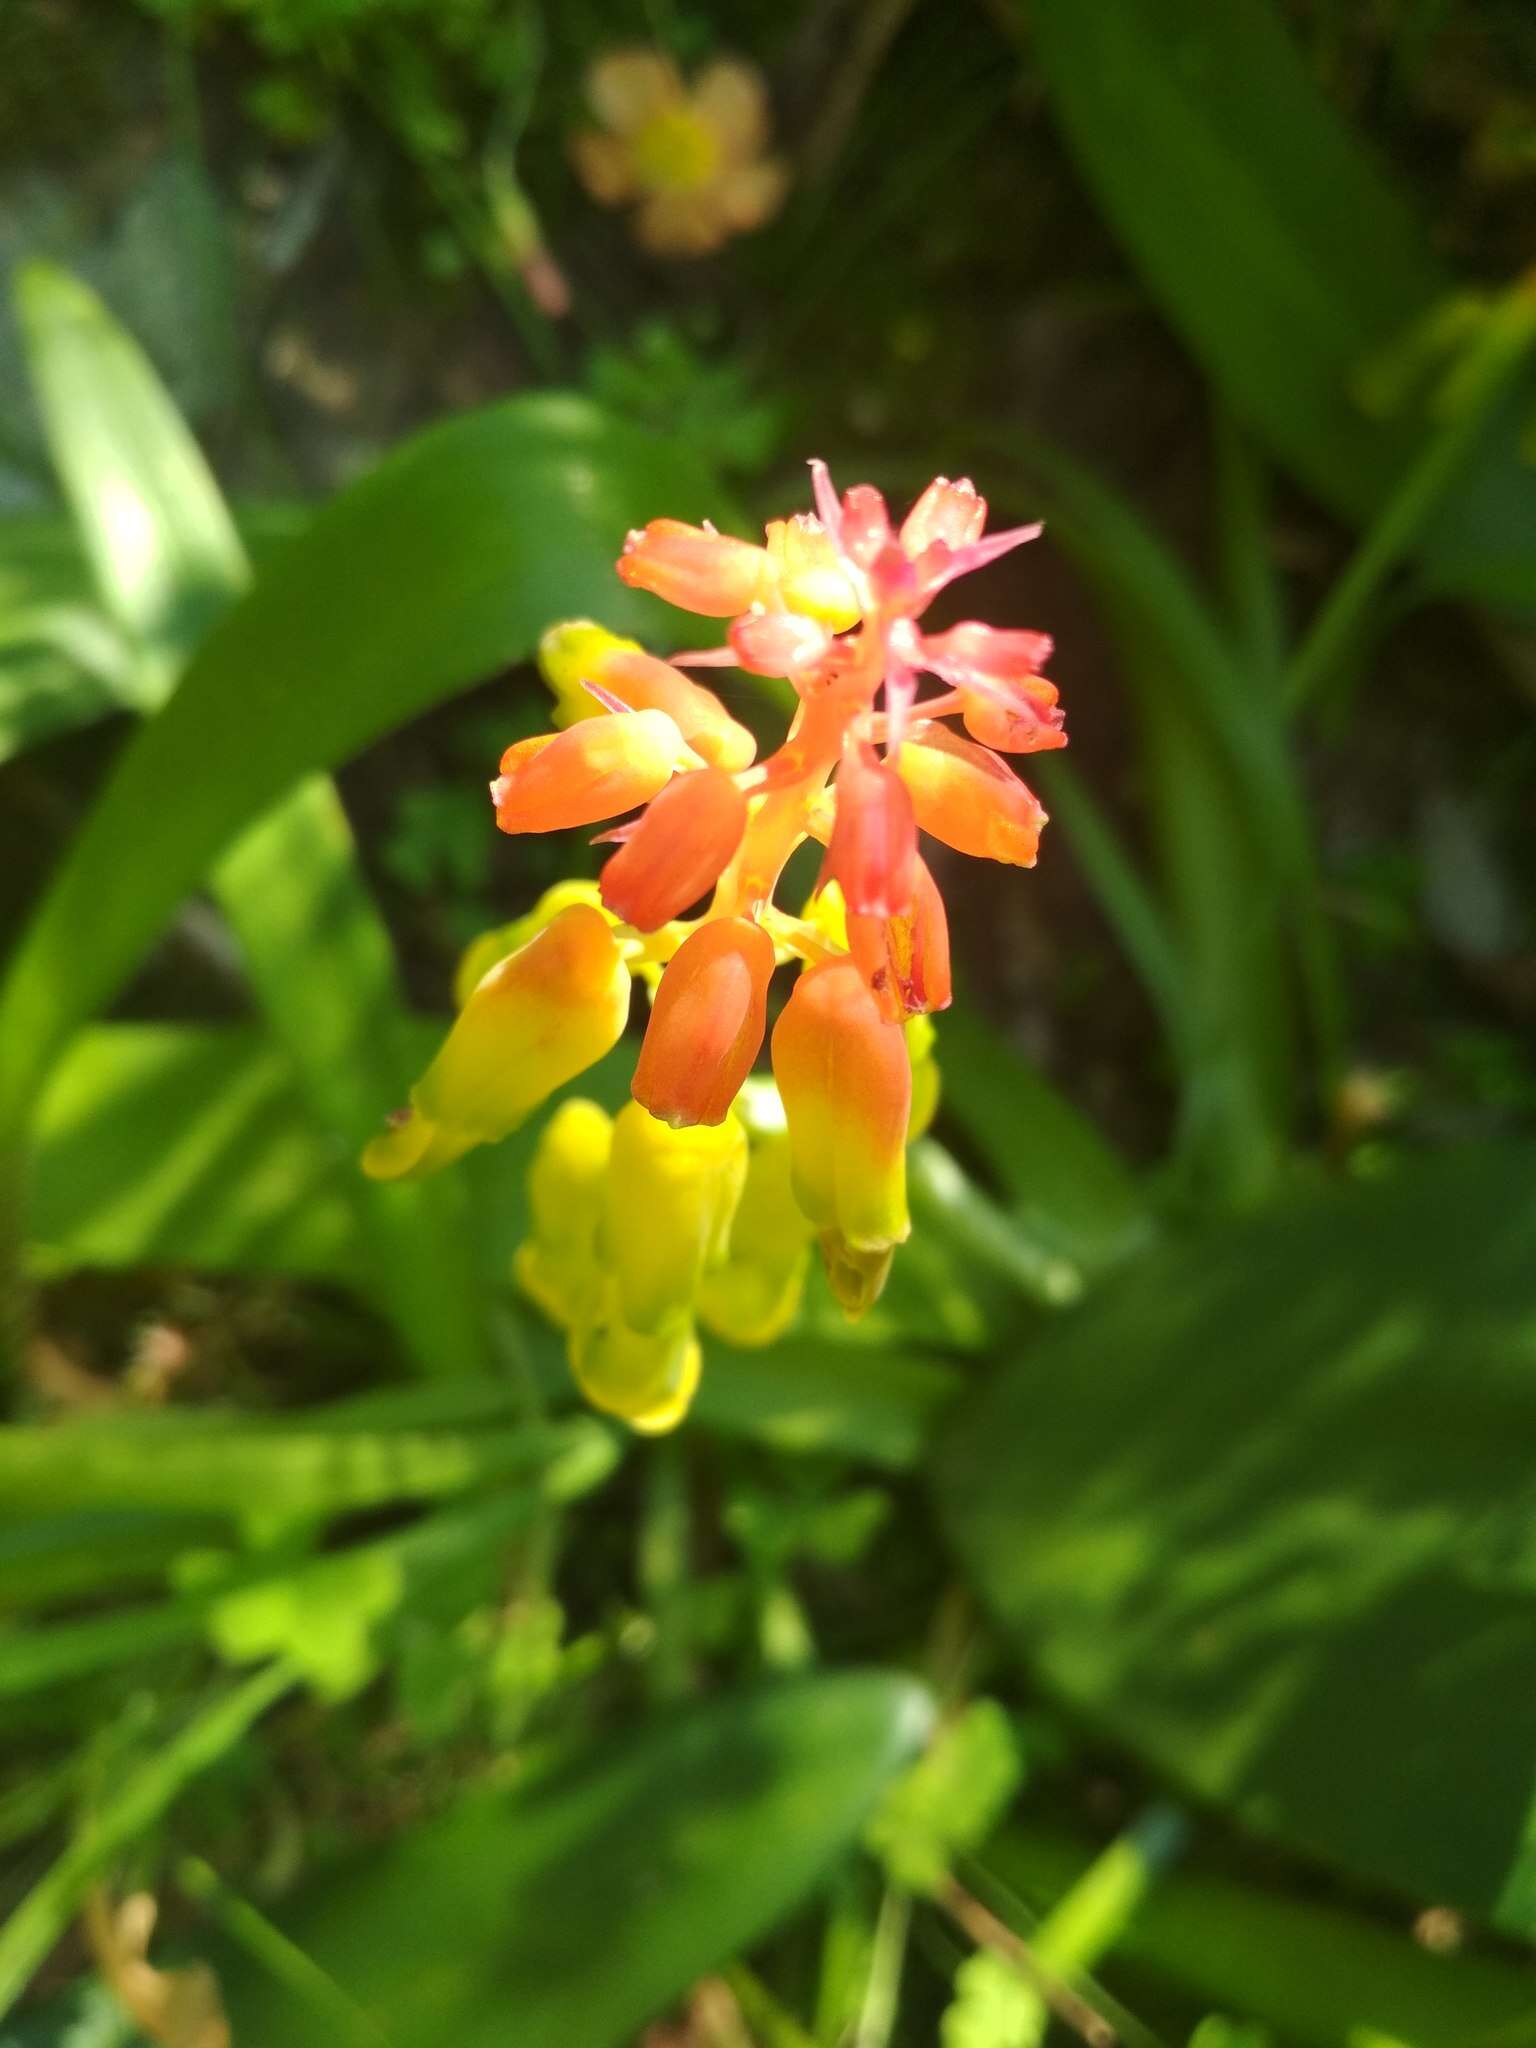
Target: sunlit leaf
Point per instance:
(1277, 247)
(573, 1910)
(1263, 1507)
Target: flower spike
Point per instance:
(695, 1204)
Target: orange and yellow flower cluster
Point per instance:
(698, 1202)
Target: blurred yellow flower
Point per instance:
(691, 160)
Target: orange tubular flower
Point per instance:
(905, 959)
(591, 771)
(970, 799)
(833, 602)
(846, 1081)
(872, 853)
(578, 655)
(708, 1023)
(678, 850)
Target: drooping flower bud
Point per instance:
(669, 1199)
(872, 854)
(578, 652)
(557, 1264)
(678, 851)
(592, 771)
(536, 1020)
(707, 1023)
(755, 1295)
(648, 1381)
(905, 960)
(702, 571)
(970, 799)
(843, 1071)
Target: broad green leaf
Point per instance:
(1276, 247)
(1262, 1509)
(167, 560)
(1321, 1972)
(251, 1469)
(433, 572)
(133, 1807)
(575, 1909)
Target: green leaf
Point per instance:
(1262, 1509)
(1068, 1190)
(1318, 1971)
(233, 1465)
(573, 1910)
(1276, 247)
(950, 1800)
(133, 1807)
(993, 2006)
(162, 546)
(1232, 832)
(167, 560)
(438, 569)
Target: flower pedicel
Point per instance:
(699, 1201)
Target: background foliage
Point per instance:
(1124, 1633)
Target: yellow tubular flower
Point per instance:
(557, 1266)
(670, 1198)
(926, 1085)
(536, 1020)
(647, 1380)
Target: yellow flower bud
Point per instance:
(557, 1266)
(670, 1198)
(536, 1020)
(755, 1296)
(647, 1379)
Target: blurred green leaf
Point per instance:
(254, 1470)
(162, 547)
(1316, 1969)
(573, 1910)
(436, 570)
(993, 2006)
(1277, 248)
(1231, 828)
(133, 1806)
(1263, 1508)
(167, 561)
(1067, 1188)
(275, 1598)
(950, 1800)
